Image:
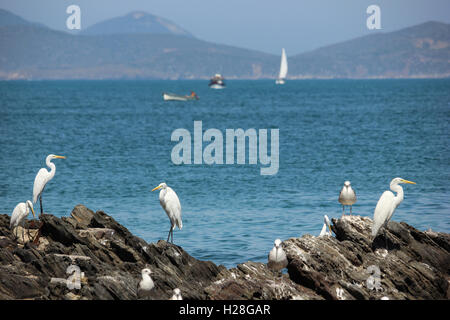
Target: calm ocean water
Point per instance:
(116, 136)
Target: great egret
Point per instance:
(326, 223)
(347, 197)
(387, 204)
(176, 294)
(19, 214)
(171, 204)
(43, 177)
(146, 284)
(277, 258)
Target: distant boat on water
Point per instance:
(283, 68)
(217, 82)
(167, 96)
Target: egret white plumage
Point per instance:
(347, 197)
(43, 177)
(326, 224)
(176, 294)
(19, 214)
(277, 258)
(387, 204)
(171, 204)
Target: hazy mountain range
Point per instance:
(143, 46)
(136, 22)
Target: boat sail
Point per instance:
(283, 68)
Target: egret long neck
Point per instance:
(52, 167)
(399, 197)
(162, 193)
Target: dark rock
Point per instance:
(252, 280)
(415, 266)
(59, 230)
(82, 215)
(108, 256)
(107, 260)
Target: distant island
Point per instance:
(143, 46)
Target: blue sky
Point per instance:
(297, 25)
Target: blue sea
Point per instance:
(117, 139)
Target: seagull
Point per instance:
(347, 197)
(19, 214)
(277, 258)
(176, 294)
(146, 284)
(326, 223)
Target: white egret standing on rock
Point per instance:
(19, 214)
(176, 294)
(326, 223)
(43, 177)
(347, 197)
(171, 204)
(277, 257)
(387, 204)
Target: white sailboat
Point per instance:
(283, 68)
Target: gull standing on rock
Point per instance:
(386, 206)
(19, 214)
(146, 284)
(347, 197)
(176, 294)
(326, 223)
(171, 204)
(43, 177)
(277, 257)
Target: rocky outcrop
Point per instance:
(416, 264)
(109, 258)
(89, 255)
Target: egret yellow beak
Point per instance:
(32, 211)
(158, 187)
(60, 157)
(406, 181)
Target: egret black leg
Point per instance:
(40, 202)
(172, 235)
(23, 235)
(385, 238)
(28, 233)
(343, 210)
(350, 210)
(168, 236)
(38, 234)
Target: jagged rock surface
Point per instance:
(110, 257)
(416, 266)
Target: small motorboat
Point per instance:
(167, 96)
(217, 82)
